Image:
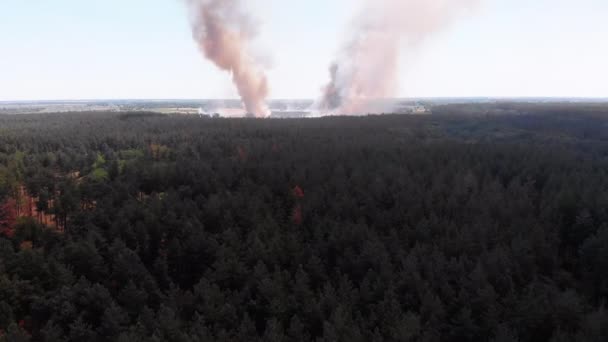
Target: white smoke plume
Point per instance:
(224, 31)
(366, 71)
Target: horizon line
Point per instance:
(414, 98)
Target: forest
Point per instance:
(478, 222)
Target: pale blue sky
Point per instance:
(85, 49)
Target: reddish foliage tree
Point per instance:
(296, 216)
(8, 218)
(298, 192)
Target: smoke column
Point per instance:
(367, 68)
(223, 32)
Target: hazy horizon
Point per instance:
(548, 98)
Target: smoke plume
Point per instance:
(223, 30)
(366, 71)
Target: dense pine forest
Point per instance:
(474, 223)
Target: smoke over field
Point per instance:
(224, 31)
(366, 70)
(363, 75)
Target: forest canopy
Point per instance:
(475, 223)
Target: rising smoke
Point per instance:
(223, 30)
(366, 71)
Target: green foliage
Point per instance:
(99, 175)
(131, 154)
(99, 162)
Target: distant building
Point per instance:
(414, 109)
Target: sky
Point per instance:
(143, 49)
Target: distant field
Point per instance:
(290, 108)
